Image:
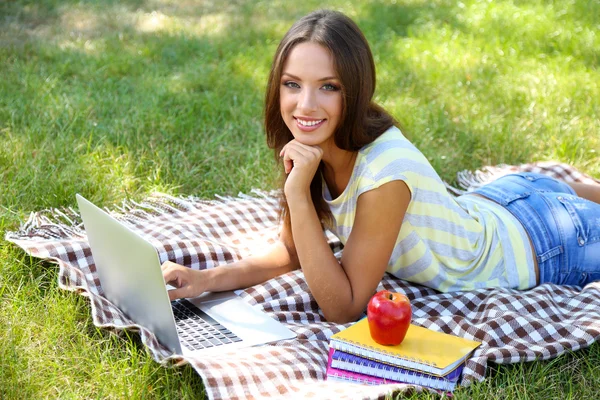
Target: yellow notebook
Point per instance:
(422, 349)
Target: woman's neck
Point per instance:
(338, 165)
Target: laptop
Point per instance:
(130, 272)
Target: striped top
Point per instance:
(444, 243)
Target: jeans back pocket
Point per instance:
(586, 218)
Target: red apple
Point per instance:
(389, 316)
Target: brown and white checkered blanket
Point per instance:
(513, 325)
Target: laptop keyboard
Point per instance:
(197, 330)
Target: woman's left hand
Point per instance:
(301, 163)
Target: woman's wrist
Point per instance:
(222, 278)
(298, 199)
(207, 279)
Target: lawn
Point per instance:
(117, 99)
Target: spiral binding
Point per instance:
(363, 348)
(353, 379)
(393, 374)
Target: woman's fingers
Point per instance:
(187, 282)
(288, 163)
(180, 293)
(174, 274)
(303, 148)
(178, 276)
(293, 156)
(166, 265)
(295, 153)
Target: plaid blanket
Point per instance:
(513, 325)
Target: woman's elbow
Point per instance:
(341, 315)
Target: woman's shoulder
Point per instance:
(393, 132)
(392, 156)
(383, 160)
(390, 141)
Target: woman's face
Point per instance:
(310, 94)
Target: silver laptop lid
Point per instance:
(129, 270)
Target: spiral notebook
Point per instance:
(423, 349)
(338, 374)
(347, 363)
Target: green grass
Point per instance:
(116, 99)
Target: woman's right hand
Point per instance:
(301, 162)
(188, 282)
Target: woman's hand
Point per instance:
(301, 163)
(189, 282)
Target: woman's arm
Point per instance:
(343, 289)
(277, 260)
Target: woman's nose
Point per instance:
(307, 101)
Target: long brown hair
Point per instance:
(362, 120)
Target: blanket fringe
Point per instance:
(471, 180)
(65, 223)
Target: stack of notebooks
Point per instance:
(425, 357)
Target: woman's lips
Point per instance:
(308, 125)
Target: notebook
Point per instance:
(363, 366)
(337, 374)
(422, 349)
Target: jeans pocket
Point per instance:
(585, 215)
(508, 197)
(578, 278)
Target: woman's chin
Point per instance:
(307, 141)
(309, 138)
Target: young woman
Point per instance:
(350, 168)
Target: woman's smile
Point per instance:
(309, 125)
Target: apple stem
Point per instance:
(391, 296)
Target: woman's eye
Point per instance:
(330, 87)
(291, 84)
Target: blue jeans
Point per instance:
(564, 228)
